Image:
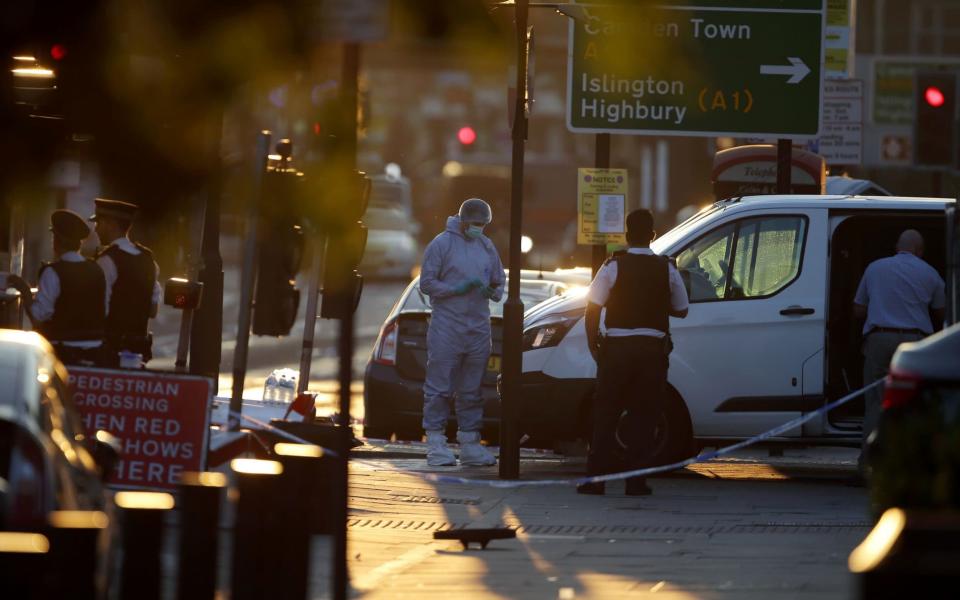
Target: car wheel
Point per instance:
(673, 432)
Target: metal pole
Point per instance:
(310, 321)
(247, 279)
(784, 163)
(513, 308)
(348, 157)
(183, 344)
(206, 331)
(601, 160)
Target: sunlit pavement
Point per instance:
(750, 525)
(736, 532)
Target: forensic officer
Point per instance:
(71, 293)
(640, 291)
(461, 273)
(133, 289)
(902, 299)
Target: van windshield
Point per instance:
(670, 238)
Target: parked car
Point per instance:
(393, 380)
(915, 452)
(46, 461)
(391, 190)
(769, 335)
(392, 250)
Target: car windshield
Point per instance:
(531, 293)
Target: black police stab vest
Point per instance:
(78, 311)
(131, 298)
(640, 297)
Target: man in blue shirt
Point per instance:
(902, 299)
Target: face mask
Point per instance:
(474, 231)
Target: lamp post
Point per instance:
(513, 307)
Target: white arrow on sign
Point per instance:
(797, 69)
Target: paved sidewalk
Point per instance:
(799, 462)
(740, 529)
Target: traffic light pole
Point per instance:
(194, 262)
(247, 280)
(347, 162)
(206, 325)
(317, 246)
(513, 307)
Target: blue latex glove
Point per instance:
(488, 292)
(467, 286)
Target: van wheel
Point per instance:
(674, 433)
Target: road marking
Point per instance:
(371, 580)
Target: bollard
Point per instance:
(302, 497)
(23, 561)
(199, 505)
(314, 481)
(75, 547)
(142, 515)
(256, 557)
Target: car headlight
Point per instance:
(550, 331)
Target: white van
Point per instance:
(769, 334)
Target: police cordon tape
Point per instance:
(766, 435)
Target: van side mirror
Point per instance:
(106, 452)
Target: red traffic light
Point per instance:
(934, 96)
(467, 135)
(58, 52)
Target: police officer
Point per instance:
(902, 299)
(71, 294)
(640, 291)
(133, 291)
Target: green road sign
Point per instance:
(743, 68)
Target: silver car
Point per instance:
(47, 463)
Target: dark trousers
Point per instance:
(632, 377)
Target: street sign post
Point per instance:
(745, 68)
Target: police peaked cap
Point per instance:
(116, 209)
(68, 225)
